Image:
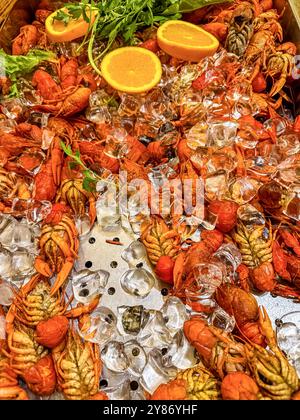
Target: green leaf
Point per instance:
(67, 149)
(15, 66)
(89, 185)
(186, 6)
(90, 178)
(122, 18)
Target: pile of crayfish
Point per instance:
(251, 192)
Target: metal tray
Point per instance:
(98, 254)
(101, 254)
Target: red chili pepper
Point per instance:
(108, 241)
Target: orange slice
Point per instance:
(57, 31)
(186, 41)
(131, 69)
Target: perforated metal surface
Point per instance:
(102, 255)
(107, 257)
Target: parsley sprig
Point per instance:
(75, 11)
(90, 178)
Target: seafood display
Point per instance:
(149, 202)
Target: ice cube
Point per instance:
(229, 255)
(221, 133)
(135, 253)
(83, 225)
(179, 354)
(35, 211)
(175, 314)
(216, 185)
(155, 332)
(102, 327)
(114, 357)
(154, 373)
(108, 215)
(22, 264)
(288, 335)
(136, 356)
(292, 203)
(243, 190)
(6, 294)
(99, 98)
(7, 125)
(250, 216)
(116, 143)
(221, 319)
(208, 277)
(8, 226)
(137, 282)
(159, 175)
(98, 115)
(220, 161)
(89, 284)
(23, 235)
(5, 264)
(114, 391)
(47, 138)
(130, 105)
(197, 135)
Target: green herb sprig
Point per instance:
(123, 18)
(90, 179)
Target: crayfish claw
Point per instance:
(266, 326)
(62, 277)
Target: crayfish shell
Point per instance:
(238, 303)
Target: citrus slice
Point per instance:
(131, 69)
(186, 41)
(58, 31)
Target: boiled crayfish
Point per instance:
(186, 261)
(73, 194)
(13, 186)
(58, 245)
(9, 384)
(195, 383)
(255, 244)
(79, 368)
(218, 349)
(274, 375)
(159, 239)
(35, 307)
(243, 307)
